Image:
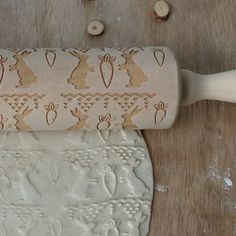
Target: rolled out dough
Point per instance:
(75, 183)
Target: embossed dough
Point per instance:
(74, 183)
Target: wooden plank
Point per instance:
(192, 159)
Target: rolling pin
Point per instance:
(100, 88)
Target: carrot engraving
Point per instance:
(160, 113)
(51, 113)
(104, 122)
(107, 69)
(159, 56)
(50, 55)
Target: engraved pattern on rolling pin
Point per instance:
(55, 82)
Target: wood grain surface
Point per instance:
(194, 161)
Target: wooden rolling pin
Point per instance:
(100, 88)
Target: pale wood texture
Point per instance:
(218, 87)
(192, 158)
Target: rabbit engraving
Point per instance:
(135, 73)
(26, 75)
(20, 123)
(128, 123)
(81, 123)
(79, 74)
(136, 185)
(134, 224)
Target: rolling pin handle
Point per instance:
(196, 87)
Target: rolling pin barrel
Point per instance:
(100, 88)
(108, 88)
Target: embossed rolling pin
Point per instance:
(108, 88)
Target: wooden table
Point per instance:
(194, 161)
